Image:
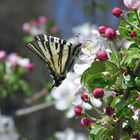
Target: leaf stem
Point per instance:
(115, 55)
(132, 25)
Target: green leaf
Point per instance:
(113, 58)
(25, 87)
(120, 105)
(98, 67)
(96, 80)
(129, 112)
(137, 104)
(131, 57)
(111, 67)
(96, 129)
(125, 28)
(125, 137)
(129, 81)
(120, 114)
(115, 101)
(100, 133)
(137, 79)
(93, 77)
(91, 137)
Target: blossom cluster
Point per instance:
(108, 75)
(69, 134)
(39, 26)
(12, 68)
(13, 60)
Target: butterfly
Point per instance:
(58, 54)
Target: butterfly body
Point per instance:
(58, 54)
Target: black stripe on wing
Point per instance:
(45, 42)
(34, 47)
(75, 53)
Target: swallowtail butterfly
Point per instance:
(58, 54)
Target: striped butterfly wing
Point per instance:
(58, 54)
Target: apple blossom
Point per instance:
(3, 55)
(69, 134)
(7, 128)
(138, 98)
(132, 4)
(29, 67)
(53, 29)
(26, 27)
(64, 95)
(13, 59)
(42, 19)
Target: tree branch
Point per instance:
(39, 95)
(32, 109)
(118, 130)
(137, 69)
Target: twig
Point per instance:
(32, 109)
(137, 68)
(118, 130)
(39, 95)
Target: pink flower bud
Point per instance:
(78, 110)
(3, 56)
(123, 54)
(92, 123)
(102, 55)
(133, 139)
(110, 34)
(98, 93)
(134, 109)
(117, 12)
(26, 27)
(102, 29)
(29, 67)
(138, 98)
(85, 121)
(84, 97)
(53, 29)
(33, 22)
(42, 19)
(132, 4)
(13, 60)
(133, 34)
(109, 111)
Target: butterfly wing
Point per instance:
(58, 54)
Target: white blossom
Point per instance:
(64, 95)
(7, 128)
(69, 134)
